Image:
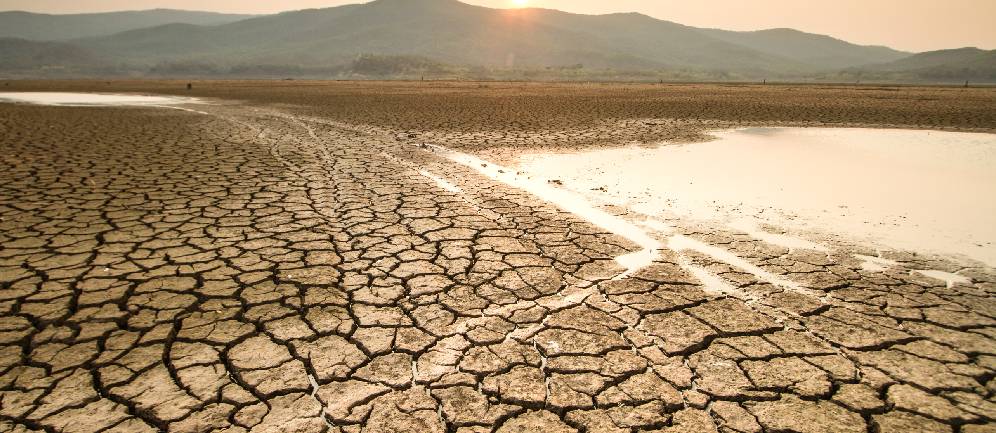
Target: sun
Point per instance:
(520, 3)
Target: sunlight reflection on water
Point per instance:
(912, 189)
(92, 99)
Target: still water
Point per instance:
(910, 189)
(91, 99)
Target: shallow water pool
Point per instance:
(92, 99)
(910, 189)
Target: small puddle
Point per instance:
(685, 243)
(440, 182)
(948, 278)
(711, 283)
(875, 264)
(906, 189)
(79, 99)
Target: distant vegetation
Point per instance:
(437, 39)
(371, 64)
(48, 58)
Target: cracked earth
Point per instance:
(253, 270)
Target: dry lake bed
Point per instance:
(496, 257)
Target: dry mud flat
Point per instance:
(495, 116)
(249, 269)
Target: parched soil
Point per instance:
(291, 263)
(489, 115)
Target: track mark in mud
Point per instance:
(442, 183)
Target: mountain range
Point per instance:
(46, 27)
(398, 37)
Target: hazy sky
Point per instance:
(915, 25)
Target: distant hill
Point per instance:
(24, 55)
(819, 51)
(45, 27)
(451, 32)
(386, 38)
(955, 58)
(956, 65)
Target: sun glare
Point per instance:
(520, 3)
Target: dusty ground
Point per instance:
(296, 268)
(488, 115)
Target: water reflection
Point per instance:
(911, 189)
(92, 99)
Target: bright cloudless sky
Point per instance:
(914, 25)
